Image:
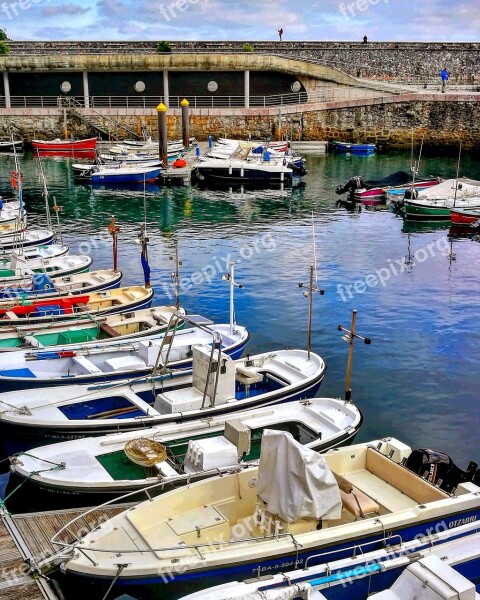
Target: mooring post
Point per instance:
(185, 122)
(162, 134)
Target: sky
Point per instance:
(247, 20)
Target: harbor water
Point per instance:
(415, 287)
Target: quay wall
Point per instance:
(441, 120)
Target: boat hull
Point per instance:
(182, 582)
(249, 176)
(59, 145)
(413, 210)
(464, 217)
(134, 177)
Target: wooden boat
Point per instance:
(25, 239)
(58, 144)
(97, 469)
(90, 331)
(435, 203)
(20, 271)
(296, 505)
(363, 571)
(112, 362)
(55, 414)
(465, 216)
(85, 171)
(67, 308)
(44, 286)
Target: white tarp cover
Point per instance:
(299, 590)
(446, 189)
(294, 481)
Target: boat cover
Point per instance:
(397, 178)
(446, 189)
(296, 482)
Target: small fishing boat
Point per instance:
(10, 145)
(297, 505)
(437, 201)
(86, 170)
(33, 252)
(62, 145)
(97, 469)
(124, 174)
(217, 385)
(257, 171)
(364, 572)
(342, 147)
(129, 159)
(88, 332)
(44, 286)
(465, 216)
(113, 362)
(20, 271)
(26, 238)
(67, 308)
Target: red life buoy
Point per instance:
(180, 162)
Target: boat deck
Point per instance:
(25, 540)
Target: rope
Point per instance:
(30, 475)
(114, 581)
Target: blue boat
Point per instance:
(352, 148)
(127, 174)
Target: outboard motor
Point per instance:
(354, 183)
(411, 194)
(439, 469)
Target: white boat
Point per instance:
(25, 369)
(24, 239)
(19, 271)
(88, 332)
(43, 286)
(129, 159)
(34, 252)
(248, 171)
(98, 469)
(225, 387)
(364, 571)
(296, 504)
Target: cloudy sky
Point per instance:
(428, 20)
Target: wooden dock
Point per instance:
(26, 552)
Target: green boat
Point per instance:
(88, 332)
(435, 203)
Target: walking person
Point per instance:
(280, 33)
(444, 76)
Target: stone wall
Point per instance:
(441, 120)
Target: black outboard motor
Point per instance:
(411, 194)
(439, 469)
(354, 183)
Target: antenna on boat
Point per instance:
(17, 183)
(175, 276)
(349, 337)
(312, 289)
(458, 171)
(45, 191)
(113, 230)
(58, 209)
(230, 277)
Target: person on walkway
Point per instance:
(280, 33)
(444, 75)
(365, 39)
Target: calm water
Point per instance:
(418, 380)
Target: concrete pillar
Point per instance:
(247, 89)
(86, 91)
(166, 91)
(6, 90)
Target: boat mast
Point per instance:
(17, 177)
(350, 336)
(45, 192)
(230, 277)
(58, 209)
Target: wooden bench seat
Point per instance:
(354, 500)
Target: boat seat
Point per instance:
(32, 341)
(354, 500)
(85, 366)
(110, 331)
(81, 307)
(247, 376)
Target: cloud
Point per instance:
(65, 9)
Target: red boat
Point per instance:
(56, 145)
(67, 154)
(465, 216)
(65, 305)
